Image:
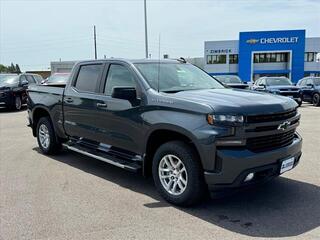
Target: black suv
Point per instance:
(310, 90)
(13, 89)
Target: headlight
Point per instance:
(225, 119)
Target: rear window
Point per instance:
(88, 77)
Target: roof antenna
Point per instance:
(159, 63)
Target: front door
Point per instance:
(119, 121)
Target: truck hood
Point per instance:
(236, 101)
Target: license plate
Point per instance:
(287, 165)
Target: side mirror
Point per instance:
(310, 85)
(24, 83)
(126, 93)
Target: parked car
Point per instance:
(13, 89)
(57, 79)
(140, 115)
(310, 90)
(279, 86)
(232, 81)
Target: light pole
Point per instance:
(146, 28)
(95, 41)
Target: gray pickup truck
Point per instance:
(171, 120)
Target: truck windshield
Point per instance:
(8, 79)
(278, 81)
(175, 77)
(228, 79)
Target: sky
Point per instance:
(34, 33)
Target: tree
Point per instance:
(3, 69)
(12, 68)
(18, 68)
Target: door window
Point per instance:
(118, 76)
(303, 82)
(88, 77)
(23, 80)
(309, 81)
(30, 79)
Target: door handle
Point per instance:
(102, 105)
(69, 100)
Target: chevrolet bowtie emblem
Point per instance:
(283, 126)
(252, 41)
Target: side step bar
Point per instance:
(133, 167)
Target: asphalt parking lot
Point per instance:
(74, 197)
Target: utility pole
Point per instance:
(145, 27)
(95, 41)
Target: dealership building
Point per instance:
(266, 53)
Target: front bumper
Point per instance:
(6, 99)
(236, 164)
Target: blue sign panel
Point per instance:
(292, 41)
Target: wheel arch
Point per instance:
(37, 114)
(162, 134)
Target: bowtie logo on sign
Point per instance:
(252, 41)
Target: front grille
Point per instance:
(265, 143)
(271, 117)
(293, 94)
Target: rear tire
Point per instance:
(316, 99)
(177, 174)
(46, 137)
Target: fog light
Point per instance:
(249, 177)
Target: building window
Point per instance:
(216, 59)
(233, 58)
(309, 56)
(270, 57)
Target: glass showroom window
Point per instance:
(209, 59)
(233, 58)
(309, 56)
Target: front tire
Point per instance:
(16, 105)
(316, 99)
(177, 174)
(47, 140)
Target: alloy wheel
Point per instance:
(173, 174)
(44, 136)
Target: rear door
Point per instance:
(307, 89)
(81, 99)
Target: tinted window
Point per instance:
(257, 82)
(118, 76)
(23, 79)
(303, 82)
(309, 81)
(88, 77)
(30, 79)
(38, 78)
(278, 81)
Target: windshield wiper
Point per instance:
(173, 91)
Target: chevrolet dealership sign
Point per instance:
(273, 40)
